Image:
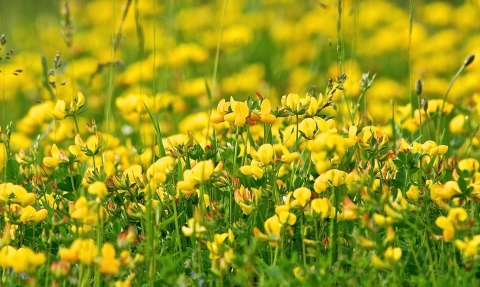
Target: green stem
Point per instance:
(177, 227)
(234, 172)
(332, 253)
(411, 96)
(304, 253)
(467, 62)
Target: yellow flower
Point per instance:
(272, 228)
(87, 251)
(266, 154)
(80, 209)
(379, 263)
(70, 254)
(287, 156)
(194, 227)
(7, 256)
(447, 226)
(109, 265)
(368, 244)
(413, 192)
(253, 169)
(78, 153)
(436, 105)
(239, 114)
(216, 246)
(265, 115)
(468, 247)
(30, 214)
(57, 157)
(449, 223)
(349, 210)
(286, 217)
(15, 194)
(77, 103)
(25, 260)
(469, 164)
(333, 177)
(159, 170)
(302, 195)
(295, 104)
(187, 185)
(202, 171)
(222, 109)
(393, 254)
(99, 189)
(447, 190)
(247, 198)
(132, 173)
(369, 134)
(322, 207)
(59, 113)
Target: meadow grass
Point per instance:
(226, 144)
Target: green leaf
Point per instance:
(13, 172)
(156, 125)
(69, 196)
(402, 157)
(117, 226)
(66, 185)
(167, 221)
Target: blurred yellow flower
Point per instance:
(468, 247)
(216, 246)
(393, 254)
(23, 259)
(456, 125)
(449, 223)
(29, 214)
(99, 189)
(87, 251)
(59, 113)
(468, 164)
(413, 192)
(194, 227)
(109, 265)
